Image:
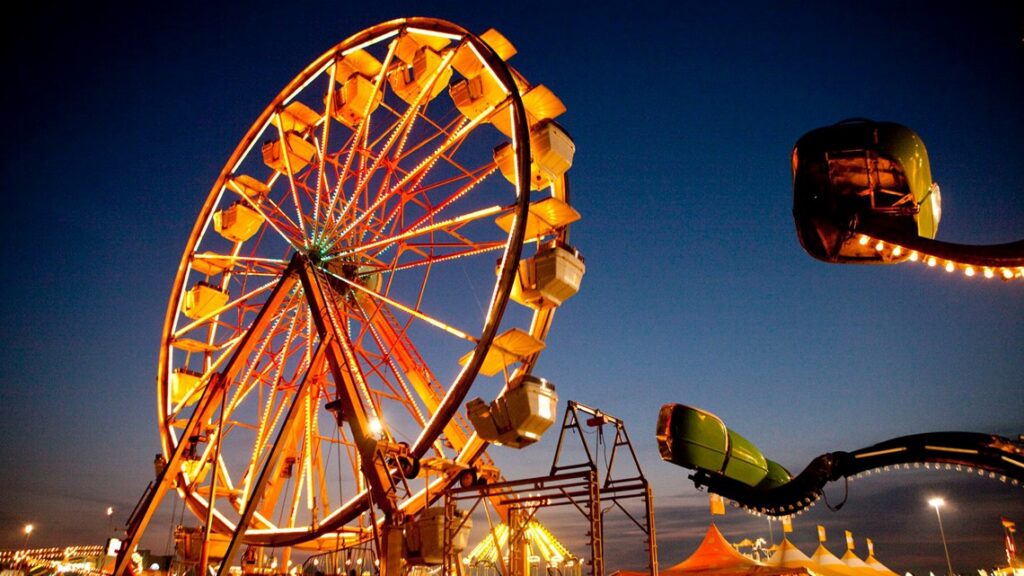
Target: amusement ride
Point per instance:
(391, 230)
(862, 193)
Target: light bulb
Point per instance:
(375, 427)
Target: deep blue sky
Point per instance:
(118, 119)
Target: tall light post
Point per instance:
(937, 503)
(28, 532)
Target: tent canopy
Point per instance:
(716, 556)
(789, 556)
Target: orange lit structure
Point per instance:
(338, 295)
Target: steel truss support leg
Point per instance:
(596, 527)
(345, 369)
(269, 464)
(205, 406)
(348, 379)
(518, 557)
(652, 540)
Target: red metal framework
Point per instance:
(346, 282)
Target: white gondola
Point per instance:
(519, 416)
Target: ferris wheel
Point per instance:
(349, 278)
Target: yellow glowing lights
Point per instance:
(376, 427)
(896, 251)
(539, 540)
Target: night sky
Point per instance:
(118, 119)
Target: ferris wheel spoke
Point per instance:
(400, 373)
(321, 176)
(432, 211)
(228, 306)
(360, 186)
(361, 133)
(421, 171)
(465, 126)
(426, 229)
(409, 368)
(259, 444)
(402, 132)
(294, 459)
(247, 381)
(276, 217)
(383, 243)
(414, 113)
(290, 176)
(430, 260)
(461, 334)
(289, 436)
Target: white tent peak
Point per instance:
(823, 557)
(789, 556)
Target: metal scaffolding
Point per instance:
(580, 484)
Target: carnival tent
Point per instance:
(787, 555)
(853, 561)
(716, 556)
(827, 563)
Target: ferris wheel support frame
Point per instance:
(372, 454)
(382, 463)
(334, 348)
(206, 405)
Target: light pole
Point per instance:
(28, 532)
(937, 503)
